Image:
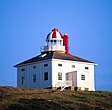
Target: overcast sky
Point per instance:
(24, 25)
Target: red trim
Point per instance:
(65, 43)
(54, 34)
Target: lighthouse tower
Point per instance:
(56, 42)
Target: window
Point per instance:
(34, 67)
(73, 66)
(34, 78)
(57, 41)
(22, 69)
(82, 77)
(59, 76)
(60, 42)
(46, 76)
(45, 65)
(54, 41)
(86, 68)
(22, 80)
(59, 64)
(51, 40)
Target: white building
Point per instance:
(55, 67)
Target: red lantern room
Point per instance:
(56, 42)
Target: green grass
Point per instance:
(46, 99)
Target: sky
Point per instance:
(24, 25)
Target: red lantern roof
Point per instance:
(54, 35)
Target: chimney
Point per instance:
(65, 43)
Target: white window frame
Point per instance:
(83, 77)
(59, 75)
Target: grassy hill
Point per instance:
(46, 99)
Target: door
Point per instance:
(72, 76)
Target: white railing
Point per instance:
(65, 83)
(69, 83)
(52, 48)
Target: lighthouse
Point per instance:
(56, 42)
(55, 67)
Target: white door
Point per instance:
(72, 76)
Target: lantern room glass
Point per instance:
(54, 42)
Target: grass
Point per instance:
(46, 99)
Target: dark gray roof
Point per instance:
(54, 55)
